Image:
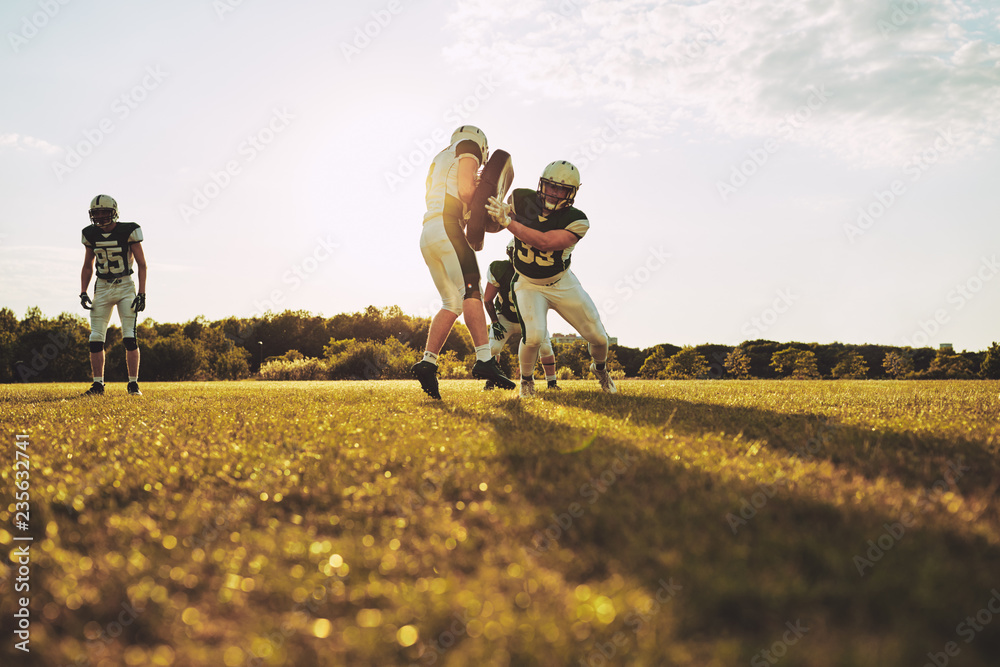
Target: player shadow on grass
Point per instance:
(617, 508)
(918, 461)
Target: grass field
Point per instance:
(827, 524)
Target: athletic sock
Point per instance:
(483, 353)
(430, 357)
(550, 378)
(135, 378)
(99, 379)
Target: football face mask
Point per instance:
(102, 217)
(554, 195)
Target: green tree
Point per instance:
(738, 364)
(369, 360)
(761, 352)
(949, 366)
(796, 364)
(990, 368)
(685, 365)
(631, 359)
(231, 365)
(851, 366)
(656, 361)
(175, 357)
(898, 363)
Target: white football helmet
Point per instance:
(472, 133)
(558, 185)
(103, 210)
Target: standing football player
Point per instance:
(546, 229)
(502, 314)
(451, 183)
(113, 246)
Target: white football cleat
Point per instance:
(607, 384)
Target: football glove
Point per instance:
(139, 302)
(498, 331)
(499, 211)
(85, 301)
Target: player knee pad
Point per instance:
(96, 346)
(130, 343)
(453, 304)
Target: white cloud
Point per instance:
(22, 142)
(896, 73)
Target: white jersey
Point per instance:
(442, 180)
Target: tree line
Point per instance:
(382, 343)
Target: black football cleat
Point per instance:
(490, 385)
(489, 370)
(133, 389)
(96, 389)
(554, 385)
(426, 372)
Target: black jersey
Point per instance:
(531, 261)
(500, 274)
(112, 249)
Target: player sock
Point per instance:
(430, 357)
(550, 378)
(99, 379)
(483, 353)
(133, 378)
(600, 365)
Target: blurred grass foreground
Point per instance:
(820, 524)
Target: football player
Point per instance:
(504, 318)
(112, 246)
(546, 229)
(451, 182)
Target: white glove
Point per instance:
(499, 211)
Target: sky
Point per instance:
(795, 170)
